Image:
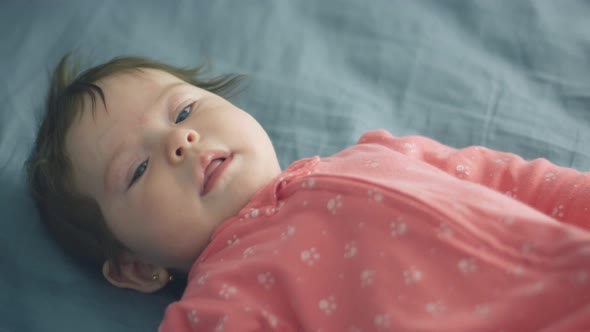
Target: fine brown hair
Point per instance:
(72, 218)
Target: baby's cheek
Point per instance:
(179, 244)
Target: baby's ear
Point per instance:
(134, 273)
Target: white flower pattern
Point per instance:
(201, 279)
(334, 204)
(367, 278)
(221, 324)
(328, 305)
(227, 291)
(267, 280)
(467, 265)
(288, 233)
(382, 321)
(435, 308)
(462, 171)
(557, 211)
(444, 231)
(233, 241)
(398, 227)
(371, 163)
(482, 310)
(550, 176)
(375, 195)
(310, 256)
(272, 319)
(412, 275)
(248, 252)
(350, 249)
(192, 317)
(310, 183)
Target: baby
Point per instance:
(145, 169)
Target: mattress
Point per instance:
(510, 75)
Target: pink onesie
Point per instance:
(400, 234)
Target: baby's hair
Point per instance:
(72, 218)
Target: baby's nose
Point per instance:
(179, 142)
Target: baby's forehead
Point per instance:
(135, 86)
(139, 75)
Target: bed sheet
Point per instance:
(510, 75)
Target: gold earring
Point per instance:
(156, 276)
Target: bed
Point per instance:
(510, 75)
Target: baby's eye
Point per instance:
(139, 172)
(183, 114)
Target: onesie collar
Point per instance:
(266, 201)
(269, 195)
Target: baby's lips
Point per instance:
(207, 165)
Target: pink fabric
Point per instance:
(400, 234)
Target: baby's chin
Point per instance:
(182, 270)
(183, 262)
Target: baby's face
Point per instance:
(167, 162)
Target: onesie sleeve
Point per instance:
(217, 311)
(560, 192)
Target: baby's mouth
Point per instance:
(212, 167)
(214, 163)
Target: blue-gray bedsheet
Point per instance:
(510, 75)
